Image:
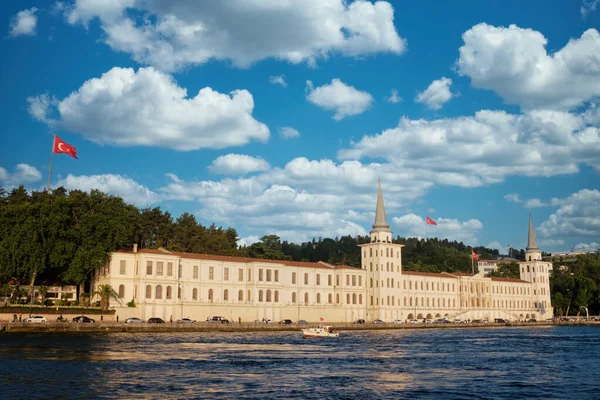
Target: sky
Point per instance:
(280, 117)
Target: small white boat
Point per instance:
(320, 332)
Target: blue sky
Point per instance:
(279, 118)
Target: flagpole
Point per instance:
(51, 154)
(425, 230)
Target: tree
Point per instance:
(43, 290)
(106, 292)
(506, 270)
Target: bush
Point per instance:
(131, 303)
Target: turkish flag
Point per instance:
(475, 256)
(62, 147)
(429, 221)
(322, 319)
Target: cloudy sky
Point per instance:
(278, 117)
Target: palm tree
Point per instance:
(106, 292)
(42, 290)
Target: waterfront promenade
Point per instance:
(65, 327)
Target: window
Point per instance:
(329, 280)
(276, 275)
(123, 267)
(353, 280)
(225, 295)
(137, 268)
(269, 273)
(249, 295)
(241, 293)
(354, 298)
(195, 294)
(318, 297)
(371, 282)
(149, 268)
(360, 281)
(159, 268)
(337, 298)
(169, 269)
(293, 278)
(260, 274)
(293, 297)
(371, 252)
(306, 298)
(158, 292)
(318, 279)
(337, 280)
(226, 274)
(268, 295)
(276, 296)
(240, 275)
(179, 271)
(148, 292)
(211, 295)
(195, 274)
(169, 292)
(306, 279)
(348, 298)
(330, 298)
(347, 280)
(360, 299)
(121, 291)
(178, 292)
(211, 273)
(260, 295)
(249, 275)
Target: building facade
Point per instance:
(165, 284)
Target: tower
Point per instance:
(537, 272)
(382, 260)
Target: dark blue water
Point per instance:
(500, 363)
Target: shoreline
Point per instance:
(113, 327)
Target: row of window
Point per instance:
(388, 253)
(445, 287)
(389, 267)
(541, 269)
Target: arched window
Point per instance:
(293, 297)
(276, 296)
(260, 295)
(148, 292)
(318, 297)
(241, 295)
(337, 298)
(330, 298)
(348, 298)
(249, 298)
(269, 295)
(195, 294)
(360, 299)
(211, 295)
(158, 292)
(225, 295)
(305, 298)
(169, 293)
(354, 298)
(121, 291)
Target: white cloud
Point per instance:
(436, 94)
(238, 164)
(288, 133)
(24, 23)
(588, 6)
(484, 149)
(452, 229)
(22, 175)
(394, 98)
(513, 198)
(147, 108)
(514, 63)
(278, 80)
(338, 96)
(39, 106)
(593, 246)
(127, 188)
(578, 215)
(552, 243)
(534, 203)
(172, 34)
(248, 240)
(495, 245)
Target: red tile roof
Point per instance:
(508, 280)
(436, 274)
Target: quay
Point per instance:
(70, 327)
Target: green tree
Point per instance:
(506, 270)
(106, 292)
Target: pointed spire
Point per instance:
(380, 219)
(531, 242)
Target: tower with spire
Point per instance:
(537, 271)
(382, 261)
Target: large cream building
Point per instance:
(169, 284)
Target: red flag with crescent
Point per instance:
(62, 147)
(429, 221)
(475, 256)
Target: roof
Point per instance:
(380, 224)
(508, 279)
(247, 260)
(531, 241)
(435, 274)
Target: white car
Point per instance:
(398, 322)
(186, 321)
(414, 321)
(37, 319)
(133, 320)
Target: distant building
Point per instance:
(487, 266)
(164, 284)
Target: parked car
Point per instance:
(133, 320)
(36, 319)
(218, 320)
(83, 319)
(186, 321)
(156, 321)
(413, 321)
(285, 322)
(441, 321)
(378, 321)
(398, 322)
(301, 322)
(500, 320)
(359, 321)
(531, 320)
